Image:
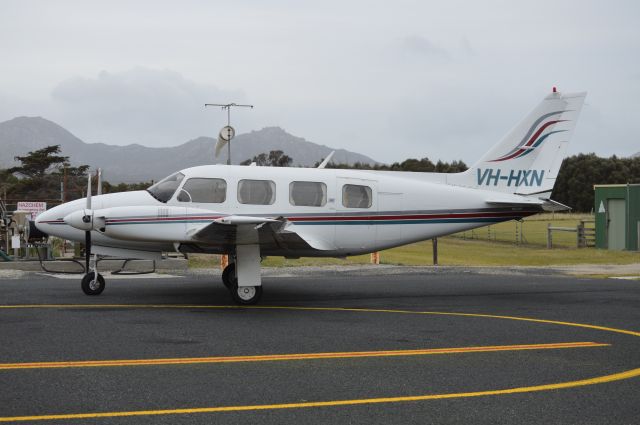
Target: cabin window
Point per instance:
(256, 192)
(308, 194)
(165, 188)
(356, 196)
(211, 191)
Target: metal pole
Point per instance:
(229, 142)
(627, 225)
(64, 192)
(434, 241)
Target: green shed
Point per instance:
(617, 209)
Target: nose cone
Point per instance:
(81, 220)
(47, 220)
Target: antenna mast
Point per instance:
(227, 133)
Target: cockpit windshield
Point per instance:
(165, 188)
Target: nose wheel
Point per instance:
(93, 283)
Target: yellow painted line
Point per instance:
(562, 385)
(633, 373)
(335, 309)
(303, 356)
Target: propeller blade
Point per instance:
(87, 234)
(87, 250)
(89, 191)
(99, 190)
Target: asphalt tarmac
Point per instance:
(340, 347)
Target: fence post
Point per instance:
(582, 238)
(549, 241)
(434, 241)
(578, 235)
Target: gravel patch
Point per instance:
(12, 274)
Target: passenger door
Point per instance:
(356, 205)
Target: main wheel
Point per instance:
(229, 276)
(245, 295)
(92, 286)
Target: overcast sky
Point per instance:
(391, 79)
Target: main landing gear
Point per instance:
(242, 295)
(93, 282)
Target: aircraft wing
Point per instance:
(269, 233)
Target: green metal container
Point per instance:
(617, 211)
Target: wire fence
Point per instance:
(540, 230)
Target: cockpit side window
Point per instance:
(211, 191)
(165, 188)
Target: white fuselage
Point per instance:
(396, 209)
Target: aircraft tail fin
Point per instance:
(527, 160)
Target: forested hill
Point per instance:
(579, 173)
(135, 163)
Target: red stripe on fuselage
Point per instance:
(118, 220)
(413, 216)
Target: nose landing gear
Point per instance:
(93, 283)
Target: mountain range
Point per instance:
(136, 163)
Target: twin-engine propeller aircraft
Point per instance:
(252, 212)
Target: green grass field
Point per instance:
(488, 246)
(532, 230)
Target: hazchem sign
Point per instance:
(34, 208)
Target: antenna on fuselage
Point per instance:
(326, 160)
(227, 133)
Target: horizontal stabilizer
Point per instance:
(524, 202)
(545, 204)
(554, 206)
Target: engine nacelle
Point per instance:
(153, 223)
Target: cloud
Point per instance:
(422, 48)
(141, 105)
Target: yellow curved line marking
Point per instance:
(547, 387)
(591, 381)
(300, 356)
(358, 310)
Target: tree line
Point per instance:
(41, 172)
(579, 173)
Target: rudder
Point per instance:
(527, 160)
